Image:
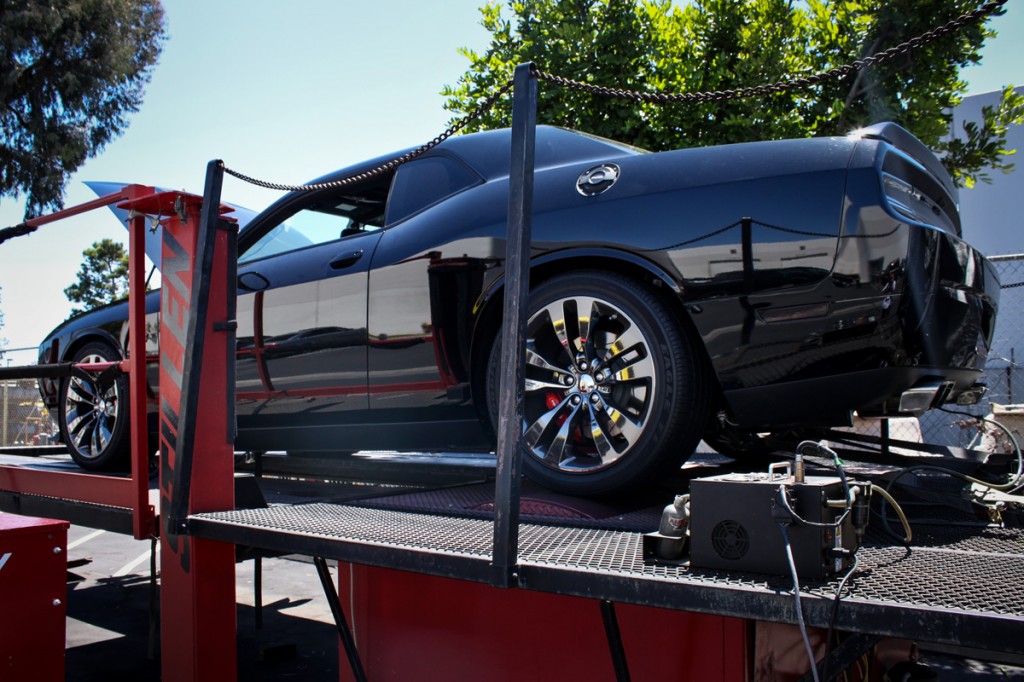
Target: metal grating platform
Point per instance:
(537, 505)
(959, 586)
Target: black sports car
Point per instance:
(719, 292)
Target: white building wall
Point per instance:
(992, 217)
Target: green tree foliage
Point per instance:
(102, 277)
(71, 72)
(709, 45)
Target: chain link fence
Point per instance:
(23, 419)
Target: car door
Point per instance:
(302, 319)
(426, 276)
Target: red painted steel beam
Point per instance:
(130, 493)
(197, 592)
(142, 524)
(126, 192)
(81, 487)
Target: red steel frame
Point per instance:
(131, 493)
(197, 576)
(198, 629)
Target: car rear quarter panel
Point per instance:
(678, 215)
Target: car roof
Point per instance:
(488, 152)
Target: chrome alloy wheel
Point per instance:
(590, 384)
(90, 412)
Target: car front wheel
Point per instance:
(615, 394)
(93, 412)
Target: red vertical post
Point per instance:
(142, 520)
(197, 592)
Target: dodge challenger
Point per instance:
(721, 293)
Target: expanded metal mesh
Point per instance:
(963, 570)
(380, 527)
(960, 537)
(477, 501)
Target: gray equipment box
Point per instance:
(734, 525)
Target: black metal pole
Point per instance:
(1009, 374)
(257, 590)
(195, 342)
(517, 284)
(154, 603)
(347, 640)
(746, 235)
(58, 371)
(614, 636)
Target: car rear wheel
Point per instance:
(615, 394)
(93, 412)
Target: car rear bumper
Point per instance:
(920, 340)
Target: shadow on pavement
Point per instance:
(108, 638)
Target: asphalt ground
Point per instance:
(111, 637)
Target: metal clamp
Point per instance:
(773, 471)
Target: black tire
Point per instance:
(637, 410)
(93, 417)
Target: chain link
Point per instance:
(805, 233)
(779, 228)
(387, 166)
(788, 85)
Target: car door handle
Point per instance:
(346, 259)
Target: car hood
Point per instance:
(154, 238)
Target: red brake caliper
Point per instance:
(552, 400)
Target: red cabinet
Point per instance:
(33, 591)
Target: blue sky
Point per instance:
(284, 92)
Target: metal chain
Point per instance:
(788, 85)
(708, 235)
(387, 165)
(778, 228)
(1012, 286)
(652, 97)
(804, 233)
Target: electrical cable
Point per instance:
(835, 607)
(850, 494)
(817, 524)
(1015, 483)
(799, 606)
(899, 512)
(842, 477)
(836, 462)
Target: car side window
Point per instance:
(305, 228)
(327, 217)
(425, 181)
